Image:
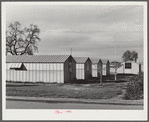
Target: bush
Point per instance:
(134, 90)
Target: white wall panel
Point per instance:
(17, 73)
(33, 66)
(48, 76)
(34, 72)
(54, 66)
(43, 70)
(8, 65)
(51, 66)
(135, 68)
(27, 73)
(58, 76)
(62, 76)
(119, 70)
(44, 66)
(62, 66)
(77, 66)
(23, 76)
(44, 76)
(37, 66)
(40, 72)
(80, 71)
(30, 72)
(38, 75)
(48, 66)
(103, 69)
(26, 65)
(77, 74)
(54, 76)
(82, 66)
(51, 72)
(11, 75)
(33, 76)
(82, 76)
(47, 72)
(51, 76)
(58, 66)
(94, 70)
(14, 72)
(94, 73)
(20, 76)
(54, 69)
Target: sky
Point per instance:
(93, 31)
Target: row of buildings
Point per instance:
(54, 68)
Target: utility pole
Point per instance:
(115, 60)
(115, 64)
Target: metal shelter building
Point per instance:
(83, 67)
(41, 68)
(96, 67)
(105, 67)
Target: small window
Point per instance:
(127, 65)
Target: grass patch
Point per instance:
(84, 91)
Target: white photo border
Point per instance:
(77, 114)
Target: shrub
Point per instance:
(134, 90)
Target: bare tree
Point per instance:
(22, 41)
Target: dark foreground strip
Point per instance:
(62, 101)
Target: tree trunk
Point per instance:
(115, 73)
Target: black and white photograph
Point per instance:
(74, 60)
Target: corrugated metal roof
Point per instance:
(37, 58)
(80, 59)
(104, 61)
(95, 61)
